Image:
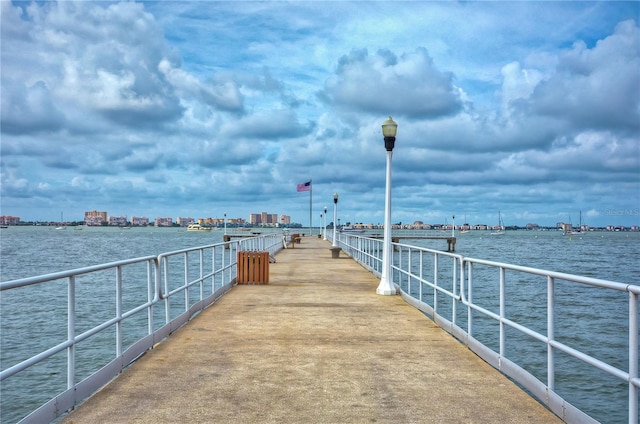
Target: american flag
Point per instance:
(305, 187)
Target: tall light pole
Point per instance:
(324, 237)
(453, 228)
(335, 219)
(386, 287)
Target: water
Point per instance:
(30, 251)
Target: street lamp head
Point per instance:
(335, 197)
(389, 130)
(325, 210)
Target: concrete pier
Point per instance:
(315, 345)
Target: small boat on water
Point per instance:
(500, 228)
(61, 226)
(573, 231)
(197, 227)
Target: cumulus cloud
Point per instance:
(409, 85)
(82, 58)
(223, 95)
(595, 88)
(30, 110)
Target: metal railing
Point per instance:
(129, 305)
(524, 321)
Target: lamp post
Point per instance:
(320, 228)
(386, 287)
(324, 237)
(453, 226)
(335, 218)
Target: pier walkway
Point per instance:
(315, 345)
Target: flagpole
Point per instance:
(310, 205)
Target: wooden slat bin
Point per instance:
(253, 267)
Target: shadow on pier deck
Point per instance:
(315, 345)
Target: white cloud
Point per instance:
(409, 85)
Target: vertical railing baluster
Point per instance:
(214, 268)
(408, 270)
(454, 284)
(551, 312)
(71, 332)
(421, 276)
(502, 312)
(119, 310)
(186, 281)
(470, 299)
(435, 284)
(150, 296)
(633, 357)
(201, 278)
(167, 306)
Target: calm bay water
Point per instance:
(30, 251)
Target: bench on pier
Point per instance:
(295, 239)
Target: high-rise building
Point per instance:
(139, 221)
(184, 222)
(264, 218)
(164, 222)
(9, 220)
(95, 218)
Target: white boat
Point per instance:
(500, 230)
(197, 227)
(571, 231)
(464, 228)
(61, 226)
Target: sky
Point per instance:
(201, 108)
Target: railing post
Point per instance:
(502, 312)
(151, 287)
(213, 267)
(421, 275)
(167, 307)
(223, 261)
(435, 283)
(633, 357)
(186, 281)
(119, 310)
(71, 331)
(200, 279)
(551, 305)
(469, 299)
(454, 284)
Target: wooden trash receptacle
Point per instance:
(253, 267)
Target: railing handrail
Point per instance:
(596, 282)
(27, 281)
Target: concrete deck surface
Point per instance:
(315, 345)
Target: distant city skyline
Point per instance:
(459, 223)
(202, 108)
